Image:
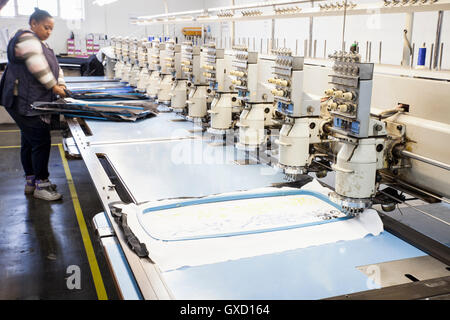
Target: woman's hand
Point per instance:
(59, 90)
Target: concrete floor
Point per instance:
(40, 240)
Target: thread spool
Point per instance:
(332, 105)
(278, 93)
(421, 56)
(347, 96)
(343, 108)
(329, 92)
(338, 94)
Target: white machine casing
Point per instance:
(143, 75)
(179, 88)
(197, 97)
(255, 94)
(221, 112)
(225, 101)
(153, 57)
(165, 86)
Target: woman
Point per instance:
(33, 74)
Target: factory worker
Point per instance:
(33, 74)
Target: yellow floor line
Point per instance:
(4, 131)
(15, 147)
(95, 270)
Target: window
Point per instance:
(8, 10)
(25, 7)
(66, 9)
(49, 5)
(72, 10)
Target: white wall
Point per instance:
(387, 28)
(116, 16)
(113, 20)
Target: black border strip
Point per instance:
(426, 289)
(417, 239)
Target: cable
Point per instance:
(407, 41)
(394, 180)
(398, 208)
(388, 113)
(421, 211)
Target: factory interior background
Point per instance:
(120, 171)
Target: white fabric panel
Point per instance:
(171, 255)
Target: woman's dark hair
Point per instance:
(39, 15)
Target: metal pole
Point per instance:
(412, 56)
(273, 33)
(315, 48)
(233, 31)
(379, 52)
(325, 49)
(367, 50)
(438, 39)
(166, 26)
(425, 159)
(311, 24)
(431, 55)
(203, 34)
(343, 26)
(440, 56)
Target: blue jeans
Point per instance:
(35, 144)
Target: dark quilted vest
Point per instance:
(29, 88)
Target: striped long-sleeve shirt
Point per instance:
(29, 48)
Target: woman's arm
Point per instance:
(29, 48)
(61, 81)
